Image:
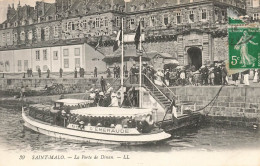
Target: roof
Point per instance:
(111, 112)
(129, 53)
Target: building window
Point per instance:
(85, 24)
(68, 26)
(255, 3)
(256, 16)
(1, 66)
(56, 31)
(25, 65)
(65, 52)
(223, 13)
(22, 36)
(73, 26)
(77, 51)
(106, 21)
(45, 55)
(46, 33)
(152, 21)
(7, 66)
(142, 22)
(117, 21)
(3, 37)
(203, 14)
(8, 37)
(179, 18)
(55, 55)
(39, 33)
(191, 16)
(132, 23)
(30, 35)
(15, 37)
(37, 53)
(66, 63)
(19, 65)
(165, 19)
(77, 62)
(97, 22)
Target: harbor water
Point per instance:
(15, 137)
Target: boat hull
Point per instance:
(84, 136)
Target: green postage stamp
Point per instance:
(244, 47)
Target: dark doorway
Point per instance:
(195, 57)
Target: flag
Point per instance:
(138, 35)
(118, 40)
(99, 43)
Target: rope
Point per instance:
(214, 99)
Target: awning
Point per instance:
(73, 102)
(128, 54)
(112, 112)
(171, 61)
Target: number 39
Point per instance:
(234, 60)
(22, 157)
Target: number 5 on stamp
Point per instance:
(244, 47)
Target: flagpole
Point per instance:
(122, 63)
(140, 69)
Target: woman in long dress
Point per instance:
(246, 58)
(255, 80)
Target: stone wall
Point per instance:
(234, 105)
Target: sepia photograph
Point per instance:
(130, 82)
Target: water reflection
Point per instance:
(14, 137)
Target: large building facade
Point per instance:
(253, 10)
(193, 31)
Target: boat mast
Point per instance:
(140, 69)
(122, 61)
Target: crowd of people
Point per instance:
(215, 74)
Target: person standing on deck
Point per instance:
(75, 73)
(95, 72)
(114, 100)
(235, 78)
(108, 73)
(167, 77)
(103, 84)
(48, 73)
(61, 71)
(28, 73)
(115, 71)
(39, 73)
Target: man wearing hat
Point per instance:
(103, 84)
(167, 77)
(101, 99)
(204, 74)
(224, 74)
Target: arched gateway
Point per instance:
(195, 57)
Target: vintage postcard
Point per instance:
(130, 82)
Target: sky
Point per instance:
(4, 5)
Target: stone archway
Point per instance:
(195, 57)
